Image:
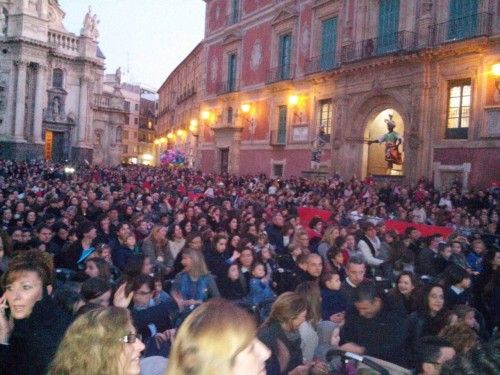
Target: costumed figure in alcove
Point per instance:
(392, 142)
(317, 149)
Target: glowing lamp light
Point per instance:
(163, 140)
(147, 157)
(170, 135)
(245, 108)
(293, 100)
(180, 132)
(496, 70)
(157, 142)
(205, 115)
(193, 126)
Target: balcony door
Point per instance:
(388, 26)
(463, 19)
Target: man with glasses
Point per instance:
(431, 353)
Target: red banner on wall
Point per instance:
(306, 214)
(426, 230)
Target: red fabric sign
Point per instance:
(426, 230)
(306, 214)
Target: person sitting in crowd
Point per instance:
(431, 354)
(218, 337)
(372, 318)
(101, 341)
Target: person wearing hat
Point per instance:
(392, 141)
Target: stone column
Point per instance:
(20, 101)
(11, 101)
(39, 103)
(82, 111)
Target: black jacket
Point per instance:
(385, 336)
(34, 341)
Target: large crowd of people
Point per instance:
(136, 269)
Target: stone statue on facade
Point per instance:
(90, 23)
(56, 107)
(392, 142)
(317, 149)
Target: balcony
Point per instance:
(277, 138)
(227, 87)
(401, 41)
(322, 63)
(467, 27)
(280, 73)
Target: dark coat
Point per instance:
(34, 341)
(384, 336)
(269, 335)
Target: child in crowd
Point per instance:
(231, 286)
(458, 292)
(333, 303)
(260, 290)
(329, 338)
(131, 243)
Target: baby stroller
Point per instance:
(346, 363)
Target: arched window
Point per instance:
(57, 78)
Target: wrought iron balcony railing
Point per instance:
(401, 41)
(227, 87)
(281, 73)
(471, 26)
(322, 63)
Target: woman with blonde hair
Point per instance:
(195, 284)
(218, 338)
(328, 241)
(155, 246)
(101, 341)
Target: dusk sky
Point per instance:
(147, 38)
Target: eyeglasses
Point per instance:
(131, 338)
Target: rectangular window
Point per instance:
(126, 105)
(463, 19)
(127, 119)
(325, 117)
(125, 149)
(136, 106)
(459, 102)
(282, 110)
(277, 170)
(136, 120)
(235, 11)
(328, 43)
(285, 56)
(388, 26)
(125, 134)
(231, 72)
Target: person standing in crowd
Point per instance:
(431, 354)
(356, 271)
(29, 342)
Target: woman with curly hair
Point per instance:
(101, 341)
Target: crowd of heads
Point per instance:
(122, 241)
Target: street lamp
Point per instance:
(246, 109)
(496, 74)
(293, 101)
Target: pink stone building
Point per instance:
(276, 72)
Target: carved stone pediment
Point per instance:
(231, 38)
(284, 15)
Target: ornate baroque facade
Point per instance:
(53, 104)
(179, 104)
(275, 72)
